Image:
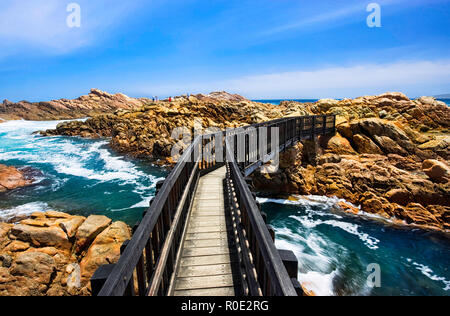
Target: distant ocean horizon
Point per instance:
(278, 101)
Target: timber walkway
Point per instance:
(207, 256)
(204, 233)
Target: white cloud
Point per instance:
(414, 78)
(41, 24)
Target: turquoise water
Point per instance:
(446, 101)
(334, 250)
(83, 176)
(78, 176)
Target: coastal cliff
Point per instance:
(390, 154)
(87, 105)
(55, 254)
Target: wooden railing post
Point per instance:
(302, 126)
(271, 232)
(324, 119)
(290, 262)
(130, 286)
(99, 278)
(297, 286)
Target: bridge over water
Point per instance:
(204, 233)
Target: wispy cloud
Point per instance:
(316, 19)
(418, 77)
(41, 24)
(344, 14)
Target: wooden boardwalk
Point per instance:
(207, 258)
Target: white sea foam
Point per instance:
(315, 252)
(312, 201)
(65, 156)
(370, 242)
(314, 262)
(22, 210)
(71, 157)
(321, 284)
(142, 190)
(307, 200)
(429, 273)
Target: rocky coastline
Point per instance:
(390, 154)
(390, 157)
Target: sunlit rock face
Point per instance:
(41, 255)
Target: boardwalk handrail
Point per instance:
(148, 260)
(265, 272)
(143, 251)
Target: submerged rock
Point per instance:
(11, 178)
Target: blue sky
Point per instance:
(259, 48)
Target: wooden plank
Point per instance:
(205, 243)
(206, 260)
(206, 236)
(201, 217)
(214, 269)
(208, 213)
(215, 203)
(206, 251)
(208, 222)
(208, 229)
(223, 291)
(210, 198)
(204, 282)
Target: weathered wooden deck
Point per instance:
(207, 258)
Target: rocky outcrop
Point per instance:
(146, 132)
(395, 181)
(94, 103)
(105, 249)
(38, 255)
(11, 178)
(436, 170)
(390, 157)
(90, 228)
(425, 113)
